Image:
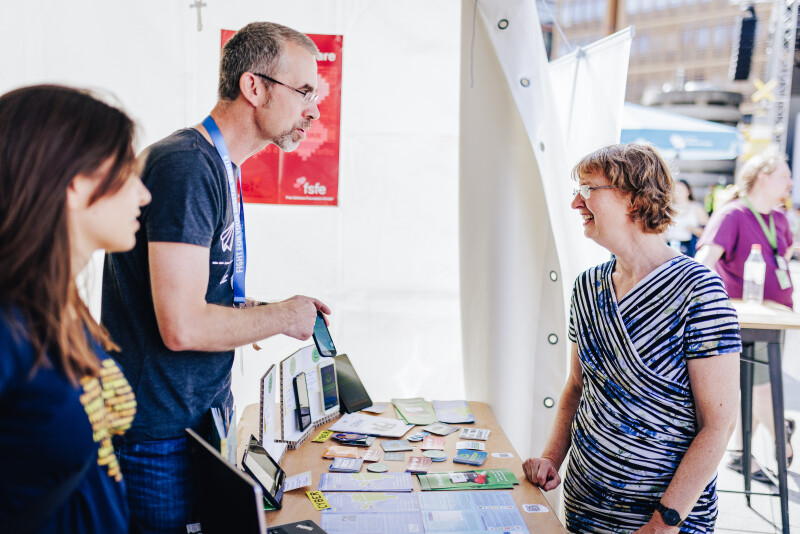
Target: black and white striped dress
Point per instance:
(637, 417)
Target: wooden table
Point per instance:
(297, 507)
(765, 322)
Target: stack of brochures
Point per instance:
(346, 465)
(453, 412)
(416, 411)
(368, 455)
(467, 456)
(350, 438)
(223, 432)
(418, 464)
(485, 479)
(366, 482)
(396, 445)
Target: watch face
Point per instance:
(671, 517)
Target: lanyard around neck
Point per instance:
(239, 243)
(769, 233)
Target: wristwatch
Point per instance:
(671, 517)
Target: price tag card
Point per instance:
(297, 481)
(535, 508)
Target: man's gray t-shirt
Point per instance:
(191, 204)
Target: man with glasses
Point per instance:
(175, 304)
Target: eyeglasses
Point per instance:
(586, 191)
(308, 96)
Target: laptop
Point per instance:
(227, 499)
(301, 527)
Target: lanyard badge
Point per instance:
(239, 243)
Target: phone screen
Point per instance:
(301, 400)
(263, 468)
(330, 395)
(322, 337)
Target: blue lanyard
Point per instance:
(239, 243)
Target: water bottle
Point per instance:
(755, 269)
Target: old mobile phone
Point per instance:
(322, 337)
(327, 379)
(301, 401)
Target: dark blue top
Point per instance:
(46, 436)
(191, 204)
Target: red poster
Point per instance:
(310, 174)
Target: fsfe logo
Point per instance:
(309, 188)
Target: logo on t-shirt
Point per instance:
(110, 404)
(226, 239)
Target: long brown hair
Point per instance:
(48, 135)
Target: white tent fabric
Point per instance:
(385, 259)
(521, 244)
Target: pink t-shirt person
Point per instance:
(734, 228)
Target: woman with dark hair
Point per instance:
(68, 187)
(689, 220)
(651, 399)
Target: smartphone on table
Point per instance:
(303, 407)
(327, 379)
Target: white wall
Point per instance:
(386, 259)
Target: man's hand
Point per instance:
(300, 314)
(542, 472)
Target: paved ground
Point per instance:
(765, 514)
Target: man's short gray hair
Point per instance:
(258, 47)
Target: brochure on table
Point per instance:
(306, 360)
(266, 432)
(460, 512)
(372, 425)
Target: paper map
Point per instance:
(464, 512)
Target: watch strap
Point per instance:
(669, 515)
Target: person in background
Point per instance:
(650, 402)
(68, 187)
(753, 217)
(689, 219)
(174, 303)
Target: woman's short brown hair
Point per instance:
(639, 171)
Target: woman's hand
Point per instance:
(542, 472)
(657, 526)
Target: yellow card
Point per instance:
(322, 436)
(318, 500)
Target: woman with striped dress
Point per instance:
(651, 399)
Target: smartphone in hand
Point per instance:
(322, 337)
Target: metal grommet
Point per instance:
(549, 402)
(524, 82)
(552, 339)
(553, 276)
(541, 146)
(503, 24)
